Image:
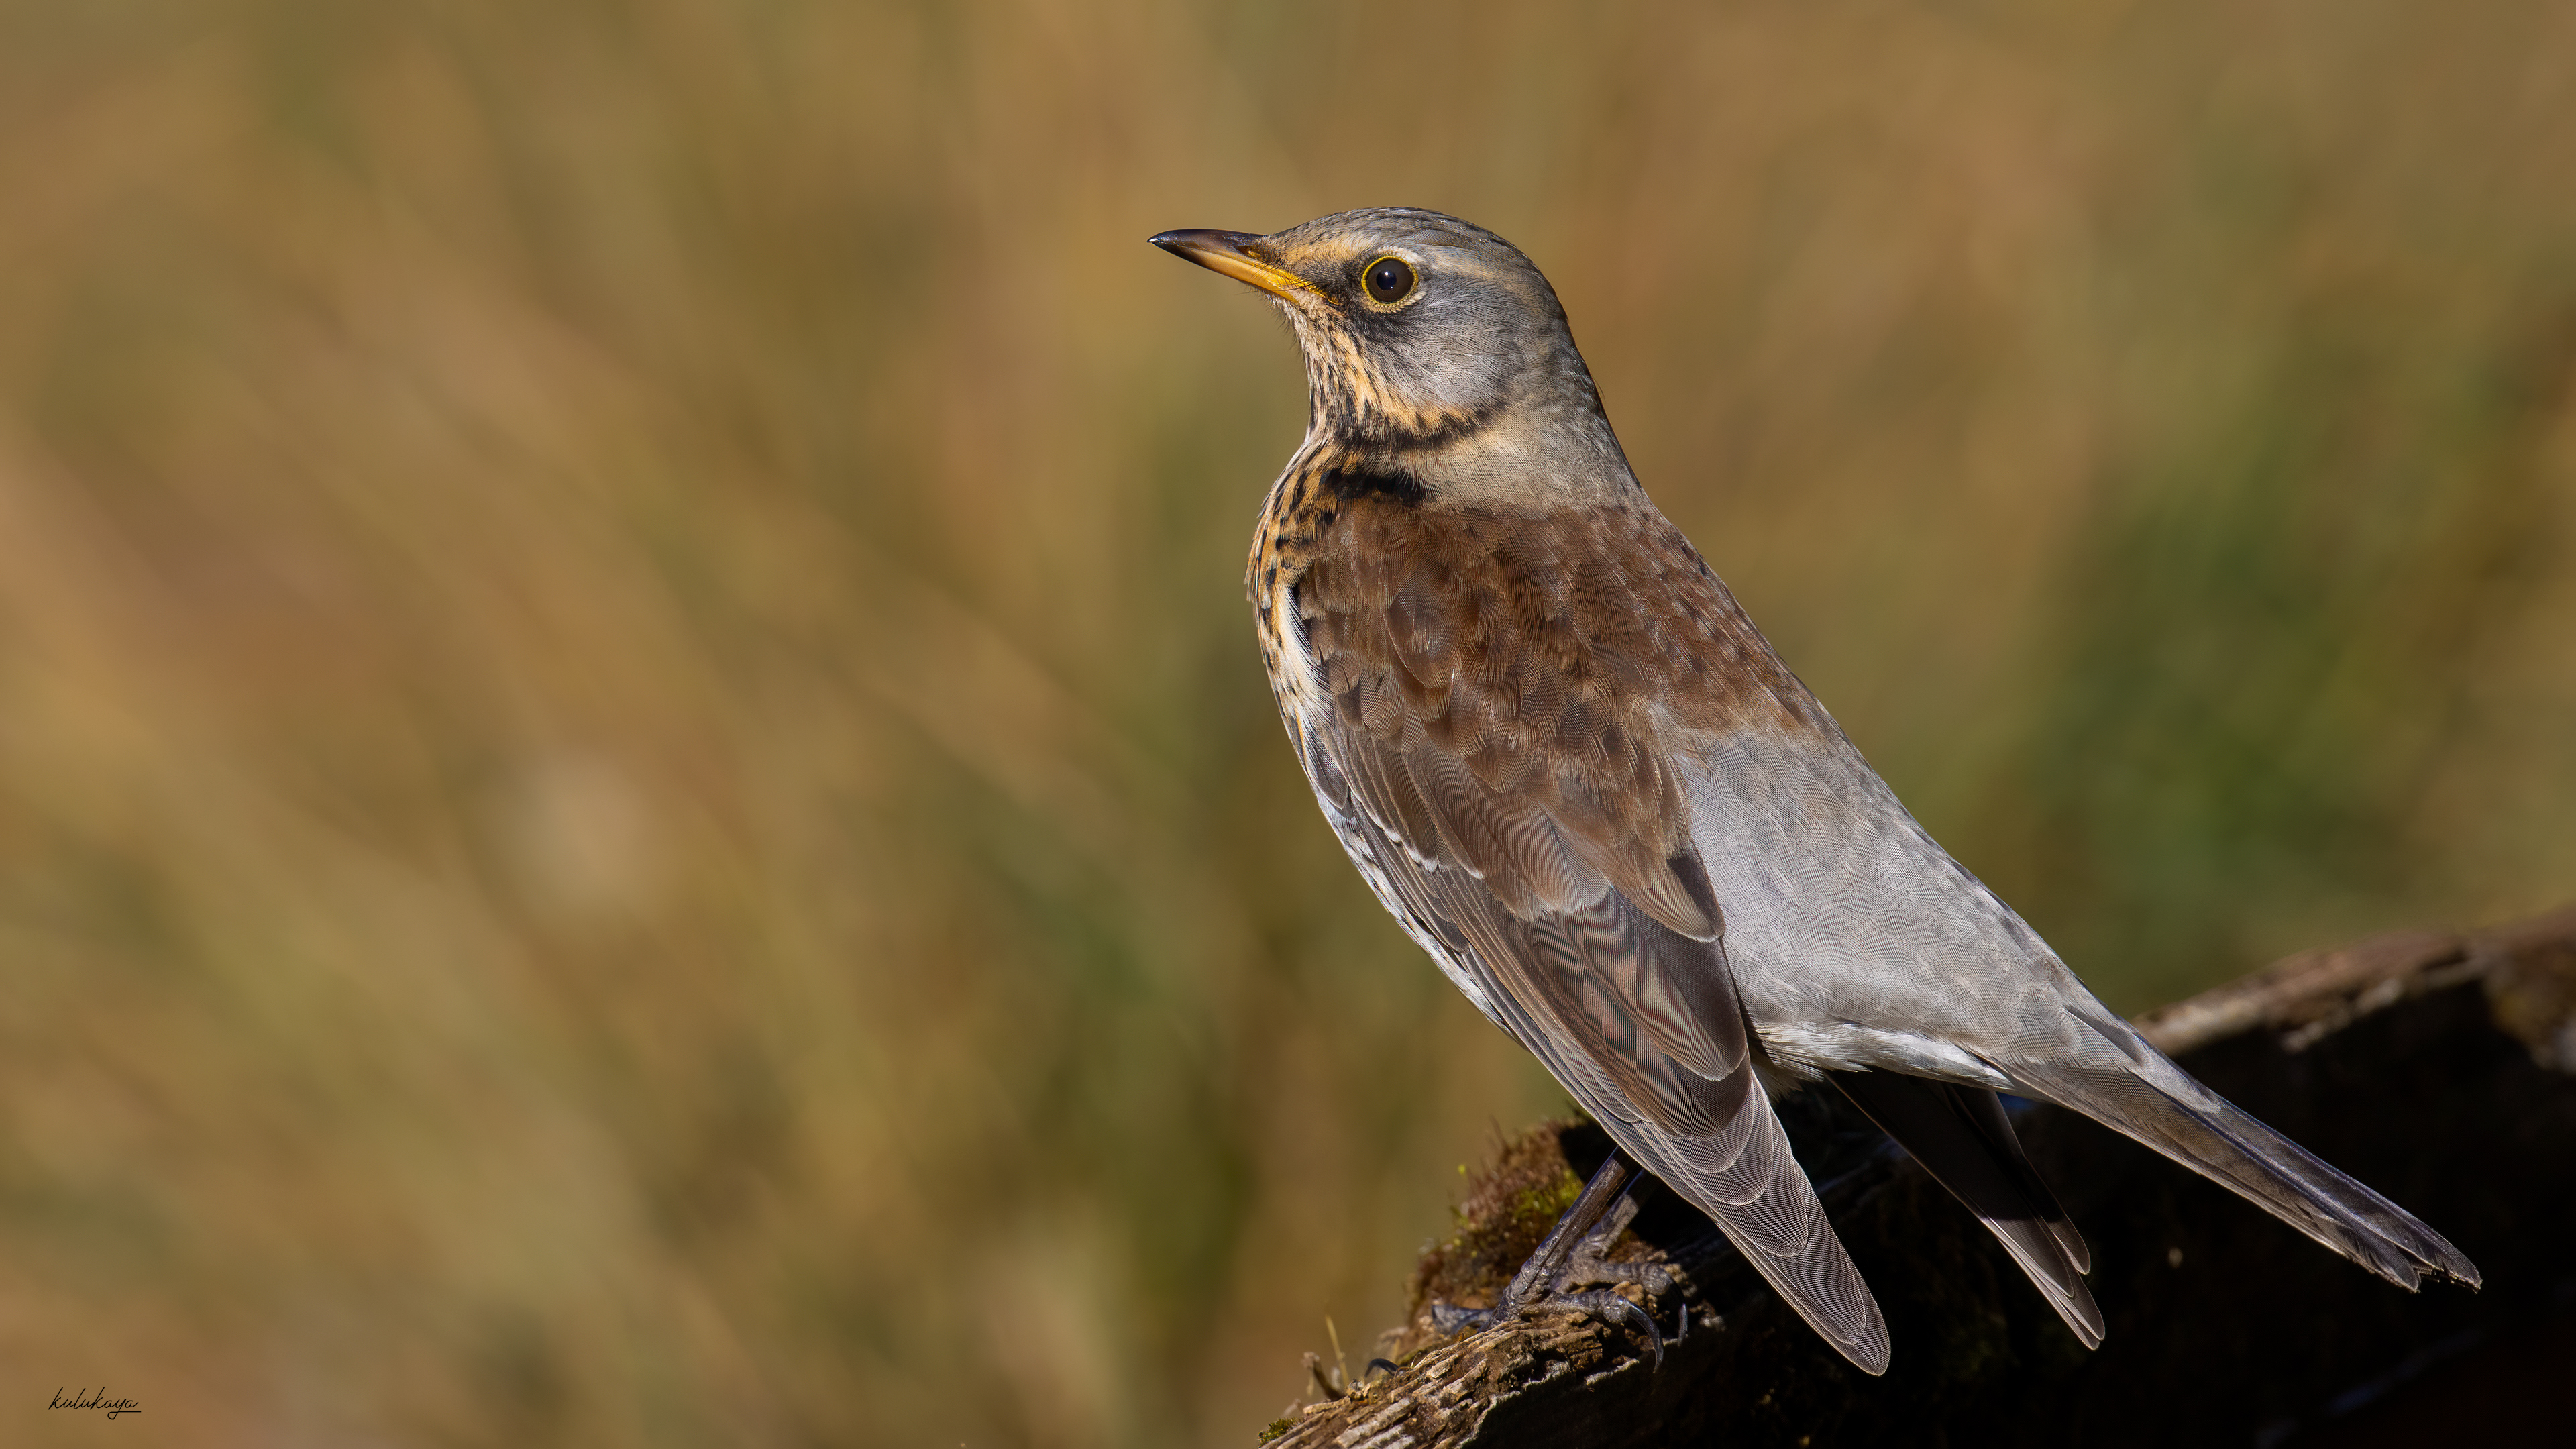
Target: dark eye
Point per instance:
(1388, 280)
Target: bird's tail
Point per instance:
(1961, 1136)
(2209, 1135)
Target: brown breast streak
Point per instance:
(1355, 405)
(1544, 652)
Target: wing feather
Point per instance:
(1517, 811)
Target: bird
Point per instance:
(1580, 778)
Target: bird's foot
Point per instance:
(1600, 1303)
(1565, 1264)
(1590, 1262)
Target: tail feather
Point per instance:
(2209, 1135)
(1985, 1112)
(1961, 1136)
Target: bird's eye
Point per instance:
(1388, 280)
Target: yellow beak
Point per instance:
(1227, 252)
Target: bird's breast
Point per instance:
(1503, 632)
(1296, 520)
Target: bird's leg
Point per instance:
(1572, 1253)
(1539, 1275)
(1590, 1262)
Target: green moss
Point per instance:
(1510, 1204)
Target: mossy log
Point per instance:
(2438, 1068)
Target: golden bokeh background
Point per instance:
(635, 803)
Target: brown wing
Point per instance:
(1498, 688)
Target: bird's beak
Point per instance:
(1228, 252)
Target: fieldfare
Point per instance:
(1582, 780)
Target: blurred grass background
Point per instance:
(635, 804)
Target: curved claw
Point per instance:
(1615, 1309)
(1610, 1307)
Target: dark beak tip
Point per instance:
(1189, 239)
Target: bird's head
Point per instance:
(1430, 344)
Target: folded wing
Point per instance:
(1488, 755)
